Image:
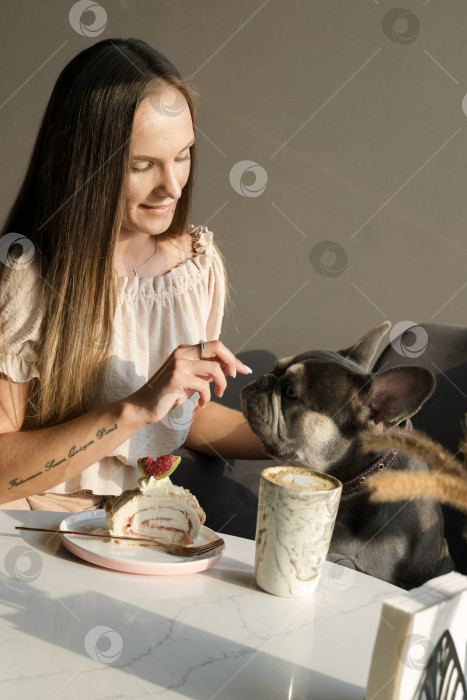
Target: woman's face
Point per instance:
(160, 162)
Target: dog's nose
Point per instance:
(264, 383)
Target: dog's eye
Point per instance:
(290, 393)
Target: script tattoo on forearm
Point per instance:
(99, 435)
(53, 463)
(73, 451)
(102, 432)
(18, 482)
(82, 448)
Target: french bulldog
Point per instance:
(310, 410)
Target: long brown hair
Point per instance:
(71, 205)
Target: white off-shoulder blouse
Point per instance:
(154, 315)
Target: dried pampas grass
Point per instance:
(446, 482)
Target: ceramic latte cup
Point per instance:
(297, 510)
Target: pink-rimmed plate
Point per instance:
(129, 557)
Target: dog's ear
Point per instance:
(397, 394)
(364, 350)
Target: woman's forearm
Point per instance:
(218, 430)
(35, 461)
(32, 462)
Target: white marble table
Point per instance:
(75, 630)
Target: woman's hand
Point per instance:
(183, 373)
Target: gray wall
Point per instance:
(351, 110)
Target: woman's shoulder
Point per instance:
(201, 240)
(20, 321)
(195, 244)
(19, 289)
(200, 261)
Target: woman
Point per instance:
(106, 291)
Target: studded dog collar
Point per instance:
(383, 462)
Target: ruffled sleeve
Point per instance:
(202, 240)
(19, 323)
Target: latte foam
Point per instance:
(299, 478)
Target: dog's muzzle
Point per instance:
(253, 395)
(264, 383)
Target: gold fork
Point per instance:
(178, 549)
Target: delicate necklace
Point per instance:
(135, 269)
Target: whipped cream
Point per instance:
(157, 487)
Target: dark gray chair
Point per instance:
(442, 349)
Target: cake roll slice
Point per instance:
(169, 515)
